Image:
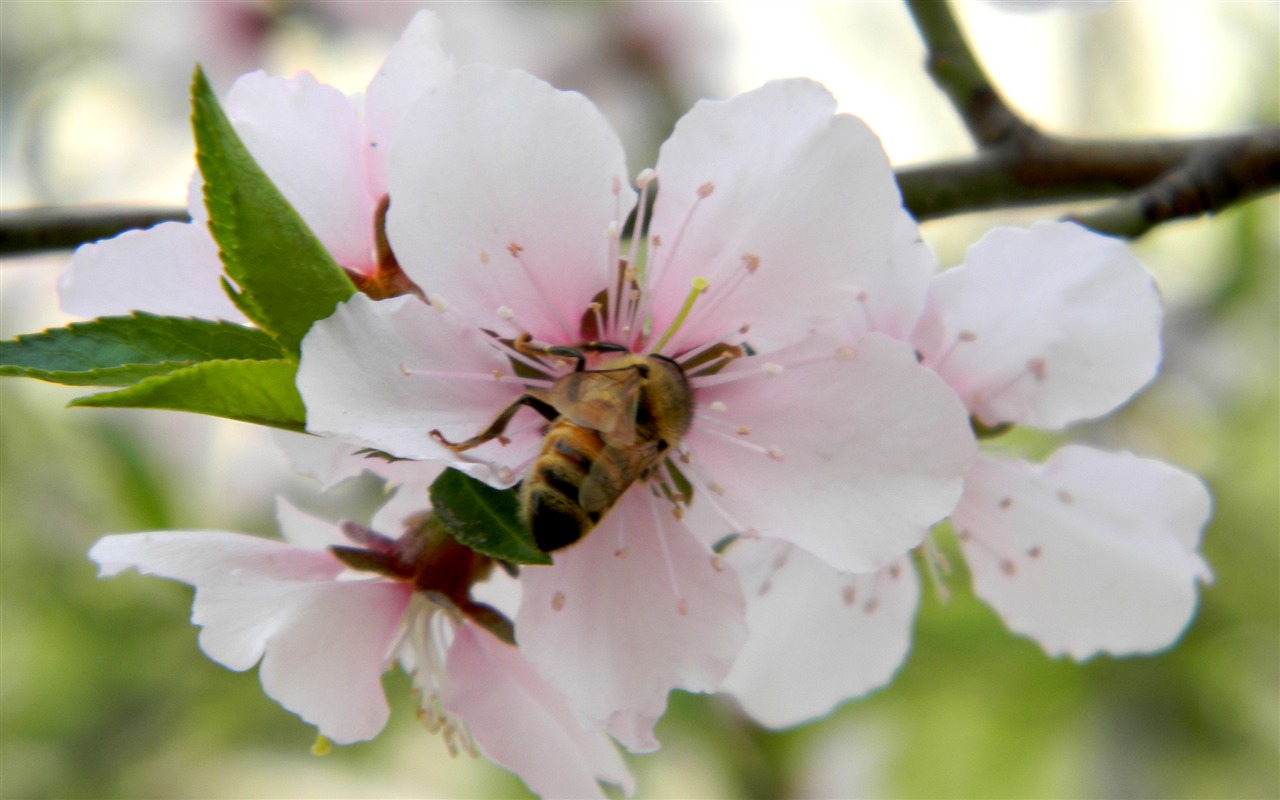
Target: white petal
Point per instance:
(523, 724)
(329, 461)
(1043, 327)
(1089, 552)
(851, 458)
(415, 65)
(308, 139)
(502, 193)
(817, 637)
(807, 194)
(323, 643)
(635, 609)
(356, 379)
(893, 298)
(303, 530)
(171, 269)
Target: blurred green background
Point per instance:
(103, 692)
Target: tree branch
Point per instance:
(1152, 181)
(1017, 165)
(32, 230)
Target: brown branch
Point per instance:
(32, 230)
(1017, 165)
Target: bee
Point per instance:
(607, 428)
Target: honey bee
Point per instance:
(608, 428)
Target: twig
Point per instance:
(31, 230)
(1017, 165)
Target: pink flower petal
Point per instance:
(893, 298)
(171, 269)
(503, 190)
(308, 138)
(1043, 327)
(415, 65)
(323, 643)
(523, 724)
(850, 452)
(635, 609)
(817, 637)
(800, 208)
(357, 378)
(1089, 552)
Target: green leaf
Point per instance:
(119, 351)
(285, 279)
(483, 518)
(261, 392)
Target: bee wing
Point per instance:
(602, 400)
(613, 470)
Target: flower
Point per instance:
(508, 203)
(1088, 552)
(323, 150)
(326, 612)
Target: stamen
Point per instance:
(682, 605)
(516, 250)
(699, 286)
(475, 376)
(937, 568)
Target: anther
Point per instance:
(967, 336)
(775, 453)
(1034, 552)
(645, 177)
(771, 369)
(557, 601)
(751, 261)
(621, 552)
(1008, 567)
(744, 430)
(1005, 503)
(845, 353)
(505, 312)
(850, 595)
(611, 230)
(716, 488)
(717, 406)
(616, 184)
(484, 256)
(438, 303)
(515, 249)
(1066, 497)
(1037, 368)
(705, 190)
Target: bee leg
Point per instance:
(494, 431)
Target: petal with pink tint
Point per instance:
(323, 643)
(171, 270)
(1044, 326)
(1089, 552)
(817, 637)
(849, 451)
(523, 724)
(503, 192)
(384, 374)
(636, 608)
(800, 205)
(892, 299)
(415, 65)
(309, 140)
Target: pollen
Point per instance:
(557, 601)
